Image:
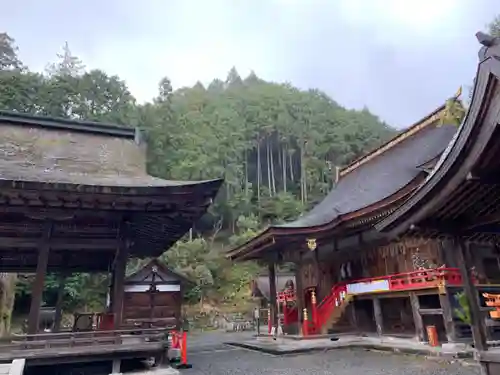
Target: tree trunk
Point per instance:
(284, 167)
(273, 178)
(268, 168)
(290, 158)
(302, 176)
(246, 173)
(259, 171)
(7, 298)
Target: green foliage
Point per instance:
(276, 146)
(463, 312)
(454, 112)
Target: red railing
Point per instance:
(425, 278)
(326, 307)
(402, 281)
(420, 279)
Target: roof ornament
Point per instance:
(491, 46)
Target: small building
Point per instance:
(153, 296)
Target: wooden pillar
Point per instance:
(272, 294)
(118, 282)
(417, 318)
(299, 296)
(377, 312)
(353, 317)
(60, 295)
(38, 284)
(478, 329)
(449, 325)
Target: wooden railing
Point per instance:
(420, 279)
(326, 307)
(81, 339)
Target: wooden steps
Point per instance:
(337, 313)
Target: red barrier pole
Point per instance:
(184, 364)
(285, 314)
(269, 322)
(305, 324)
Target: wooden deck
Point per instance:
(72, 347)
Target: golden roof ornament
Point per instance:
(311, 244)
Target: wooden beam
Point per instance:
(38, 284)
(299, 293)
(59, 302)
(464, 263)
(483, 179)
(273, 304)
(417, 317)
(119, 270)
(377, 312)
(59, 243)
(449, 325)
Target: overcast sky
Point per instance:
(400, 58)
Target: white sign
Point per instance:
(368, 287)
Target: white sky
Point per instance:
(400, 58)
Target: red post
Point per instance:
(184, 364)
(269, 322)
(305, 324)
(314, 309)
(285, 314)
(184, 348)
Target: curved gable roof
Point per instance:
(379, 178)
(463, 153)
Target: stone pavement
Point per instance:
(237, 361)
(283, 346)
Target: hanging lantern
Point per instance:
(311, 244)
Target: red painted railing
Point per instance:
(326, 307)
(420, 279)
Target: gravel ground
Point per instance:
(229, 361)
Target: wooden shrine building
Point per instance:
(153, 296)
(459, 203)
(350, 277)
(76, 197)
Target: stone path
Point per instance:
(236, 361)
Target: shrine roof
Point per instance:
(59, 151)
(380, 177)
(92, 178)
(459, 198)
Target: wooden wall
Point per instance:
(166, 306)
(380, 261)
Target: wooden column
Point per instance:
(353, 317)
(118, 282)
(272, 294)
(449, 325)
(417, 318)
(299, 295)
(38, 284)
(60, 296)
(377, 312)
(464, 263)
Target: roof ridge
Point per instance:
(60, 123)
(405, 134)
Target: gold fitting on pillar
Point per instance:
(305, 314)
(313, 297)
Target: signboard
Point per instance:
(368, 287)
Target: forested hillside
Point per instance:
(278, 148)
